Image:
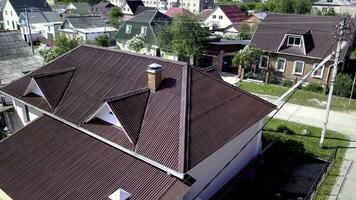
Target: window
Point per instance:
(11, 13)
(280, 64)
(49, 28)
(13, 25)
(8, 23)
(324, 9)
(214, 16)
(220, 16)
(298, 67)
(143, 30)
(27, 114)
(128, 29)
(318, 73)
(294, 41)
(264, 62)
(5, 12)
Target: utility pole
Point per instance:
(352, 89)
(340, 33)
(29, 30)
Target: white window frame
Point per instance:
(294, 45)
(260, 65)
(143, 30)
(322, 72)
(128, 29)
(214, 16)
(220, 17)
(295, 63)
(284, 66)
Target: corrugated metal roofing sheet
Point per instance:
(50, 160)
(190, 117)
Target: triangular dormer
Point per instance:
(295, 41)
(125, 112)
(51, 85)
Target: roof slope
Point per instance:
(102, 8)
(186, 98)
(53, 85)
(65, 163)
(33, 5)
(233, 12)
(176, 11)
(16, 57)
(85, 22)
(130, 109)
(41, 17)
(82, 8)
(318, 30)
(133, 4)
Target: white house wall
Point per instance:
(20, 110)
(204, 172)
(10, 19)
(220, 23)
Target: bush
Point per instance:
(274, 80)
(287, 83)
(313, 87)
(284, 129)
(102, 40)
(343, 85)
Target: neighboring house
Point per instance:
(251, 20)
(224, 16)
(52, 2)
(108, 124)
(194, 6)
(60, 9)
(342, 7)
(144, 24)
(102, 8)
(43, 25)
(13, 8)
(78, 8)
(87, 28)
(177, 11)
(16, 58)
(204, 14)
(291, 48)
(134, 7)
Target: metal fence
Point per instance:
(321, 176)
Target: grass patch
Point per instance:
(300, 97)
(311, 144)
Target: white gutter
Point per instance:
(132, 153)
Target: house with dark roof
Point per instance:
(224, 16)
(16, 58)
(77, 9)
(87, 28)
(144, 24)
(13, 8)
(101, 123)
(102, 8)
(42, 24)
(294, 44)
(134, 7)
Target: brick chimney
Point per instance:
(154, 76)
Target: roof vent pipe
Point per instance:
(154, 76)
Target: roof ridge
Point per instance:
(60, 71)
(234, 87)
(126, 95)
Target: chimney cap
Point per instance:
(154, 67)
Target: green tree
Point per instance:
(343, 85)
(115, 16)
(62, 46)
(164, 37)
(187, 36)
(102, 40)
(246, 59)
(136, 43)
(302, 6)
(245, 31)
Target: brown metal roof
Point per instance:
(318, 32)
(190, 117)
(50, 160)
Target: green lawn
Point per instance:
(311, 145)
(300, 97)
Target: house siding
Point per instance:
(8, 19)
(19, 115)
(205, 172)
(289, 67)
